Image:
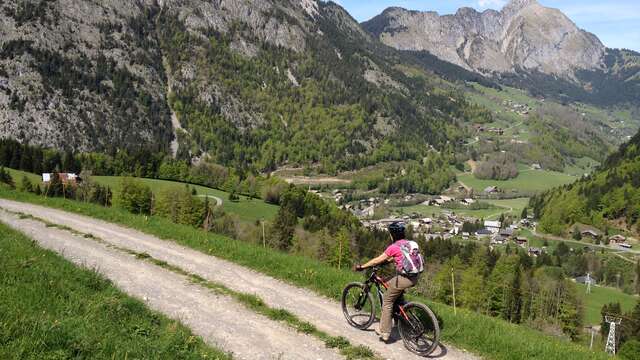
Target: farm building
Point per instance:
(483, 233)
(491, 189)
(506, 233)
(590, 233)
(617, 239)
(493, 226)
(66, 178)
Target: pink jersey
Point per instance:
(394, 251)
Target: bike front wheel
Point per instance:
(419, 329)
(357, 306)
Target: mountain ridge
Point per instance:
(503, 39)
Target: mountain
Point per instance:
(82, 75)
(524, 44)
(610, 197)
(247, 83)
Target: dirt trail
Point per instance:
(213, 317)
(324, 313)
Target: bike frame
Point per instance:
(375, 280)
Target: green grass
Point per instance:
(17, 176)
(600, 296)
(527, 181)
(507, 206)
(584, 165)
(50, 309)
(252, 302)
(247, 209)
(489, 337)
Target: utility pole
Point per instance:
(453, 288)
(611, 339)
(339, 253)
(588, 283)
(264, 241)
(593, 332)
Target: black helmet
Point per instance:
(396, 229)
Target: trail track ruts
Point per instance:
(217, 319)
(324, 313)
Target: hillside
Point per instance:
(252, 84)
(82, 75)
(610, 197)
(289, 84)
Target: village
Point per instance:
(449, 223)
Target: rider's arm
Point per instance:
(376, 261)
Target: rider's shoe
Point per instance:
(383, 336)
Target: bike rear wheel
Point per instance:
(358, 306)
(420, 330)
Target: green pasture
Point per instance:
(528, 180)
(600, 296)
(247, 209)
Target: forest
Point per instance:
(611, 194)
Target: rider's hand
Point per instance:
(357, 267)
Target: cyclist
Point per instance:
(397, 284)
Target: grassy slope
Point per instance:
(50, 309)
(600, 296)
(489, 337)
(527, 180)
(247, 209)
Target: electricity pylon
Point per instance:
(611, 339)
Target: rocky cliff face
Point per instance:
(82, 75)
(522, 36)
(245, 82)
(89, 75)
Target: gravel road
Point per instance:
(219, 320)
(324, 313)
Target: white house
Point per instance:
(467, 201)
(493, 226)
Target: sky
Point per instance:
(615, 22)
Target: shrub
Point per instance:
(630, 350)
(136, 197)
(181, 207)
(6, 178)
(26, 185)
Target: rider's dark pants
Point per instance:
(397, 285)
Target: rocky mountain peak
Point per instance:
(524, 35)
(517, 5)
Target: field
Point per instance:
(600, 296)
(247, 209)
(50, 309)
(527, 181)
(433, 211)
(489, 337)
(507, 206)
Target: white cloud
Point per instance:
(495, 4)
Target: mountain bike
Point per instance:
(417, 324)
